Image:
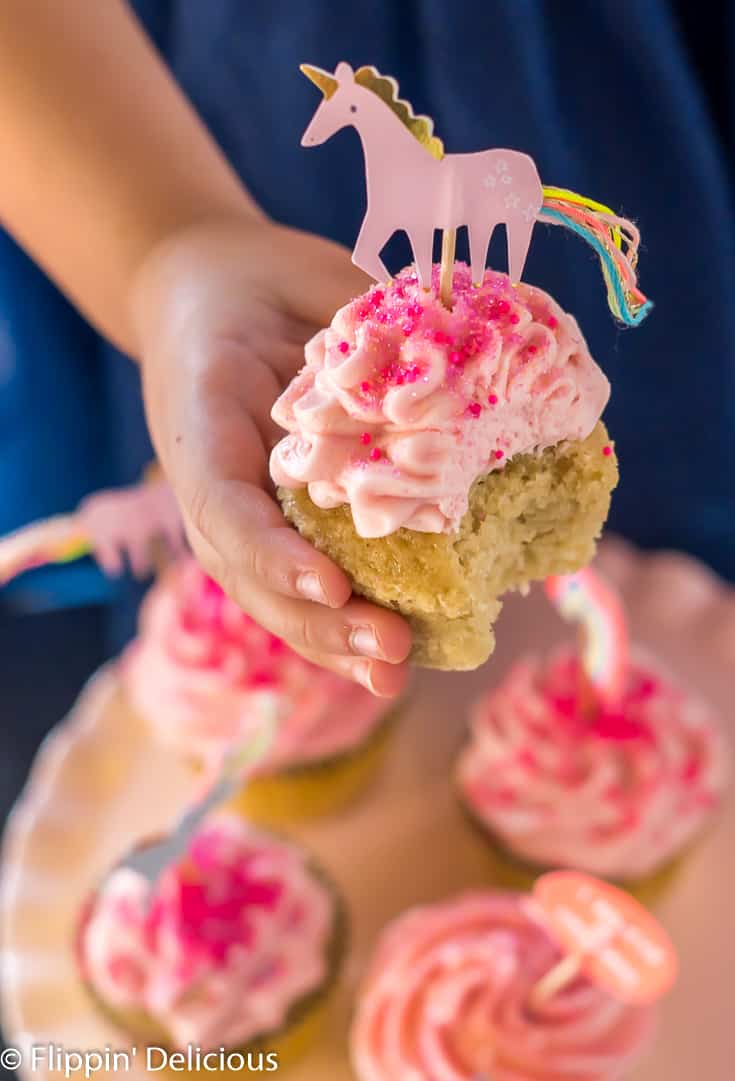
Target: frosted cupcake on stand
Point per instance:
(477, 988)
(235, 947)
(197, 672)
(597, 758)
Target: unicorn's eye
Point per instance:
(353, 108)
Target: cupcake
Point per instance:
(620, 792)
(235, 947)
(443, 457)
(447, 998)
(198, 672)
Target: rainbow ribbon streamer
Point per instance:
(586, 599)
(616, 241)
(54, 540)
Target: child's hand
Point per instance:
(125, 523)
(223, 312)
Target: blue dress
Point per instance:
(625, 102)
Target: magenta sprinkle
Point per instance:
(375, 455)
(363, 313)
(474, 409)
(455, 357)
(492, 399)
(439, 337)
(499, 454)
(377, 297)
(408, 329)
(366, 438)
(364, 386)
(532, 349)
(344, 347)
(515, 318)
(553, 322)
(607, 451)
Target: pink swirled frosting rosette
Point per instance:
(402, 404)
(618, 794)
(447, 999)
(200, 666)
(232, 938)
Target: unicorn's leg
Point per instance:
(422, 246)
(366, 254)
(480, 237)
(519, 233)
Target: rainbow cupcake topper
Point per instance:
(412, 183)
(586, 599)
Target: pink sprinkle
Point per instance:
(413, 373)
(552, 322)
(415, 310)
(366, 438)
(400, 379)
(607, 451)
(364, 386)
(503, 307)
(499, 454)
(375, 454)
(344, 347)
(363, 313)
(408, 329)
(377, 297)
(492, 399)
(532, 349)
(439, 337)
(515, 318)
(474, 408)
(455, 357)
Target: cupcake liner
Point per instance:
(315, 789)
(511, 871)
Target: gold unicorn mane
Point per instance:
(386, 88)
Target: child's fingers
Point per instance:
(381, 679)
(246, 529)
(359, 629)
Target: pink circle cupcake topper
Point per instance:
(413, 185)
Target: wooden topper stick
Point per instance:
(555, 980)
(449, 244)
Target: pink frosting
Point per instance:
(200, 666)
(446, 999)
(232, 938)
(403, 404)
(618, 794)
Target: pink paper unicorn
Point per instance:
(413, 185)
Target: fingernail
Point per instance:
(309, 585)
(363, 673)
(364, 641)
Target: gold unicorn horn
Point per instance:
(326, 82)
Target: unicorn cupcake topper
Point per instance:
(413, 185)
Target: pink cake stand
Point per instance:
(98, 784)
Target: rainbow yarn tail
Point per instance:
(614, 239)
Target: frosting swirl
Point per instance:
(200, 666)
(232, 938)
(446, 999)
(402, 404)
(618, 794)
